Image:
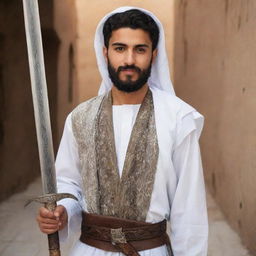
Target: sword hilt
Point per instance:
(53, 239)
(49, 200)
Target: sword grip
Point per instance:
(54, 245)
(53, 239)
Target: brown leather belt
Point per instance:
(122, 235)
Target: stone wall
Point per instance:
(214, 70)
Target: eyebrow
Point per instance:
(138, 45)
(118, 44)
(142, 45)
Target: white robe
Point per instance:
(178, 193)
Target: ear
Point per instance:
(154, 54)
(105, 53)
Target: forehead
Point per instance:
(130, 36)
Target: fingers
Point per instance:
(47, 221)
(47, 226)
(61, 215)
(50, 222)
(45, 213)
(59, 212)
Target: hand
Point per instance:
(50, 222)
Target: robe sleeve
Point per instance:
(69, 179)
(189, 223)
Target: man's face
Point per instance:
(129, 58)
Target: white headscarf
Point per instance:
(160, 76)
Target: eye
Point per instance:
(140, 50)
(119, 49)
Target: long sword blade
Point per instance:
(39, 92)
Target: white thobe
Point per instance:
(178, 193)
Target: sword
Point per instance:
(42, 116)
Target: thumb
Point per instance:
(59, 210)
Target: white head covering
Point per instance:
(160, 77)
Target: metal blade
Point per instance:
(39, 92)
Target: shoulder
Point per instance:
(85, 113)
(179, 113)
(83, 116)
(171, 103)
(87, 105)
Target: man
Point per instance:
(131, 155)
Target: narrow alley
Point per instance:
(211, 54)
(20, 235)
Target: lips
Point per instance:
(129, 71)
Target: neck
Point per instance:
(120, 97)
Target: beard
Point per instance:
(128, 85)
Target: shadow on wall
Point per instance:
(214, 71)
(18, 147)
(51, 45)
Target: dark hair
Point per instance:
(134, 19)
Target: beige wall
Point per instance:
(18, 151)
(18, 147)
(65, 24)
(214, 70)
(89, 14)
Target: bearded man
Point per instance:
(131, 154)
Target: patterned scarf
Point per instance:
(105, 192)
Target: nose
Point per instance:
(129, 58)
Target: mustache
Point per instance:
(129, 67)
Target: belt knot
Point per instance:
(117, 236)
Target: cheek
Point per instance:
(144, 61)
(115, 60)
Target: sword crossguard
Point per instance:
(49, 199)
